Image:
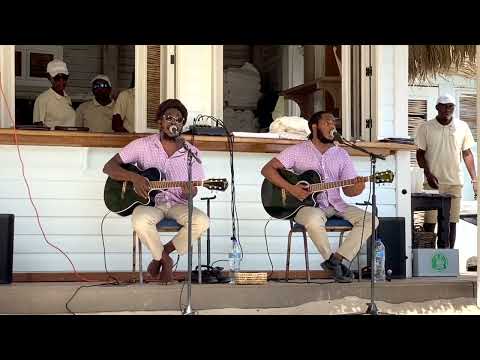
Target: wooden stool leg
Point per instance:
(287, 267)
(305, 244)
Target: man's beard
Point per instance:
(323, 139)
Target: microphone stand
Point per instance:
(372, 308)
(190, 156)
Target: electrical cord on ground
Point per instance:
(115, 281)
(180, 305)
(216, 261)
(303, 282)
(268, 251)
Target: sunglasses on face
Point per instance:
(60, 77)
(101, 85)
(447, 106)
(173, 120)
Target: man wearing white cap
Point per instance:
(97, 113)
(53, 107)
(442, 143)
(123, 119)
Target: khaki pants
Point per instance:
(456, 192)
(314, 220)
(146, 218)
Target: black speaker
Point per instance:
(391, 230)
(6, 248)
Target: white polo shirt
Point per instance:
(54, 109)
(95, 116)
(125, 107)
(443, 146)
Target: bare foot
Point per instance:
(154, 268)
(166, 274)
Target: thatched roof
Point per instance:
(426, 62)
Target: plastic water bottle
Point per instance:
(234, 258)
(379, 261)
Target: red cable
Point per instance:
(28, 189)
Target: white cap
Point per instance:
(446, 99)
(56, 67)
(102, 77)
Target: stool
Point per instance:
(333, 224)
(165, 225)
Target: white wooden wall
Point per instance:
(69, 198)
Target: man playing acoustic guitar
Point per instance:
(332, 163)
(165, 152)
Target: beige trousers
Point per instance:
(146, 218)
(455, 203)
(314, 220)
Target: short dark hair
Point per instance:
(172, 104)
(314, 120)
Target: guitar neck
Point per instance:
(337, 184)
(158, 185)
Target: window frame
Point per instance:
(26, 50)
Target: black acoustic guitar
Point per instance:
(280, 204)
(121, 198)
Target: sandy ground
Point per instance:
(460, 306)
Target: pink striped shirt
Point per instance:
(148, 152)
(334, 165)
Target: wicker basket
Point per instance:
(244, 278)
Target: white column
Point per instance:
(194, 79)
(478, 157)
(7, 82)
(217, 81)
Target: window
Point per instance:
(468, 111)
(31, 63)
(417, 115)
(153, 84)
(38, 64)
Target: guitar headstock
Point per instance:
(384, 177)
(216, 184)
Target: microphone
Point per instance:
(174, 130)
(336, 136)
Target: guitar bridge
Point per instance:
(284, 197)
(124, 189)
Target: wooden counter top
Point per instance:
(204, 143)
